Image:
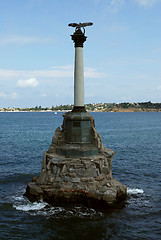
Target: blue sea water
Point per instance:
(136, 139)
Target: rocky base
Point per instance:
(84, 180)
(77, 168)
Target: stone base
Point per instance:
(83, 180)
(77, 168)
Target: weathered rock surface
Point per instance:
(78, 178)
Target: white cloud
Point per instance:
(3, 95)
(92, 73)
(31, 82)
(23, 40)
(56, 72)
(143, 76)
(44, 95)
(147, 3)
(8, 73)
(159, 88)
(8, 95)
(14, 95)
(115, 5)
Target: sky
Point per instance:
(122, 54)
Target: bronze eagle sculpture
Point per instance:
(80, 25)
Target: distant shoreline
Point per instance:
(94, 107)
(57, 111)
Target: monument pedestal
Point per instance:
(77, 172)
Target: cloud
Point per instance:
(147, 3)
(56, 72)
(159, 88)
(44, 95)
(31, 82)
(23, 40)
(14, 95)
(92, 73)
(8, 73)
(4, 95)
(143, 77)
(115, 5)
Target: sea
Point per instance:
(136, 139)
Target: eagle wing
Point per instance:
(73, 24)
(80, 24)
(85, 24)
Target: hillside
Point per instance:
(98, 107)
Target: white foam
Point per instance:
(44, 209)
(134, 191)
(31, 206)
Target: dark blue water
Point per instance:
(136, 138)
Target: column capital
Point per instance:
(78, 38)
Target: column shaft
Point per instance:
(78, 78)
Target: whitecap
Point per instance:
(44, 209)
(36, 206)
(135, 191)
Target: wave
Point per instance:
(134, 191)
(44, 209)
(36, 206)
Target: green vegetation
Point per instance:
(98, 107)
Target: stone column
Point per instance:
(78, 38)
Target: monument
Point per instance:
(77, 168)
